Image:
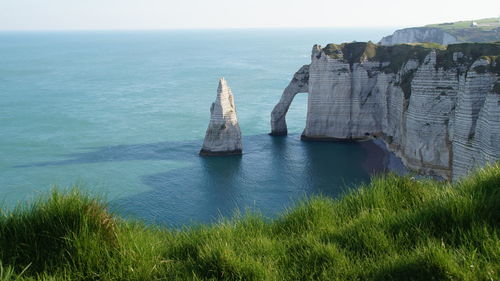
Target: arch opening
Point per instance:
(299, 84)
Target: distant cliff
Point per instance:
(419, 34)
(437, 108)
(485, 30)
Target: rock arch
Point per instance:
(299, 84)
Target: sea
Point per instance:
(122, 115)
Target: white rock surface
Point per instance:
(299, 84)
(445, 123)
(419, 34)
(223, 136)
(476, 136)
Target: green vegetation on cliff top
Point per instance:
(395, 228)
(398, 55)
(484, 30)
(483, 24)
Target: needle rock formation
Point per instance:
(223, 135)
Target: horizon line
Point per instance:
(200, 28)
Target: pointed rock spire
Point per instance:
(223, 136)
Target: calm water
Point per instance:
(124, 114)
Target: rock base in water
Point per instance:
(204, 152)
(332, 139)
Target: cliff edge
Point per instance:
(483, 30)
(436, 107)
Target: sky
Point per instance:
(181, 14)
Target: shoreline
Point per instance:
(379, 159)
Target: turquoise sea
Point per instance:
(123, 114)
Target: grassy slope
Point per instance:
(483, 24)
(485, 31)
(392, 229)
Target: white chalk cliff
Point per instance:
(223, 136)
(439, 110)
(447, 33)
(419, 34)
(299, 84)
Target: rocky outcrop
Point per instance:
(419, 34)
(299, 84)
(476, 123)
(439, 110)
(223, 136)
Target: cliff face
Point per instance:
(419, 34)
(437, 109)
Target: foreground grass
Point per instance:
(395, 228)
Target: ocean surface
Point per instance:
(123, 115)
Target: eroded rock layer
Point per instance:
(438, 109)
(223, 136)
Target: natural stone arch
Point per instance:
(299, 84)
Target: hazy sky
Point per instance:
(165, 14)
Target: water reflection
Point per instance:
(272, 174)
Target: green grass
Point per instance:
(472, 52)
(398, 55)
(395, 228)
(483, 24)
(485, 31)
